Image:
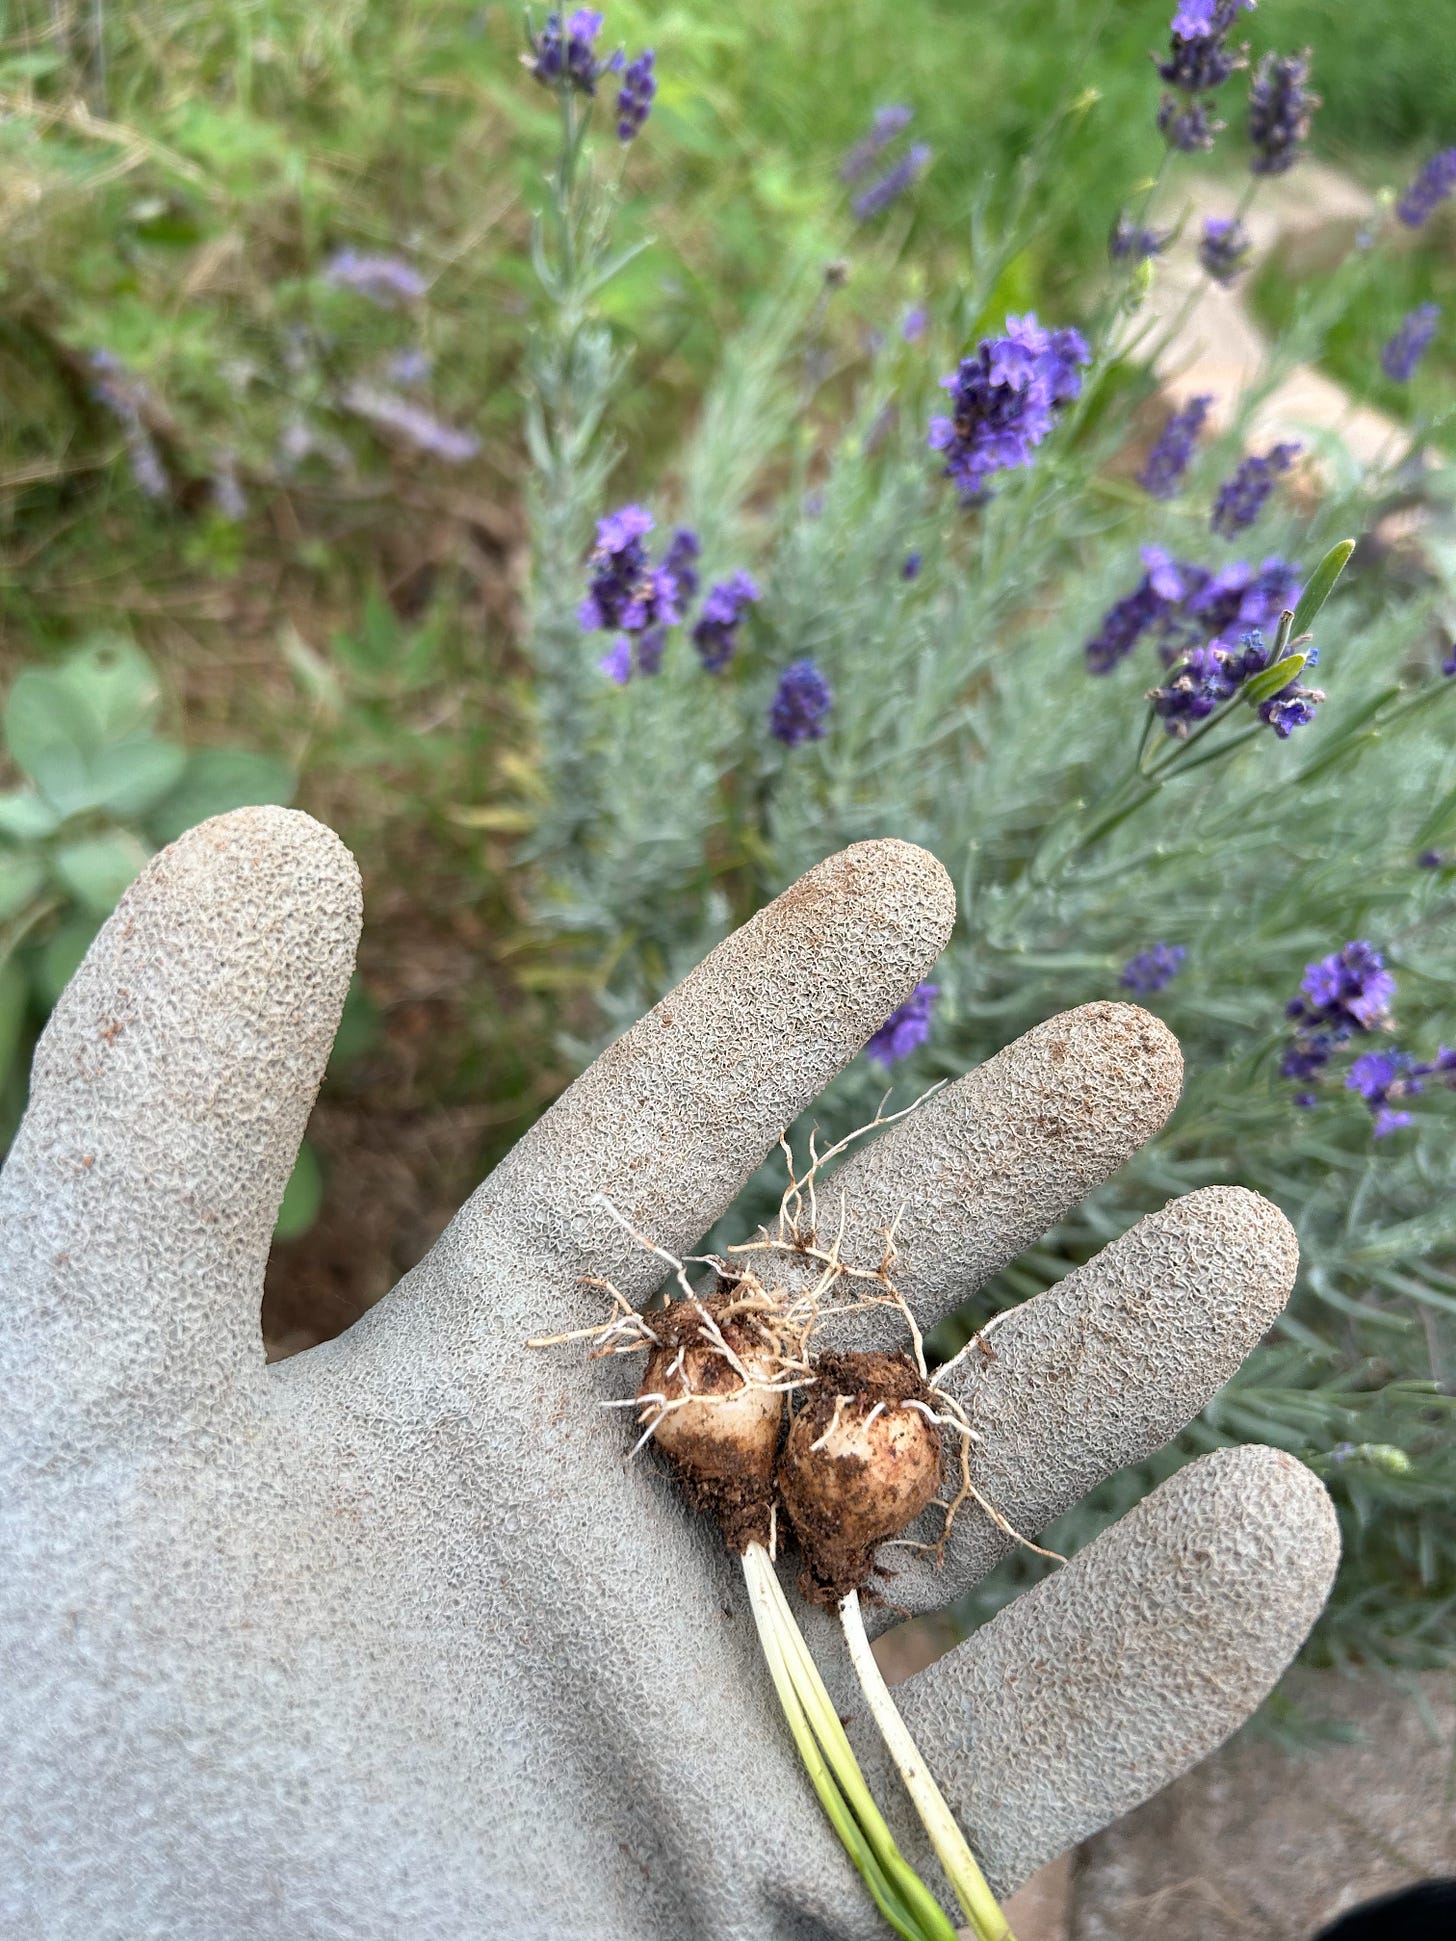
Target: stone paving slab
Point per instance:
(1200, 337)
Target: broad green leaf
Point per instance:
(115, 682)
(49, 732)
(59, 721)
(24, 817)
(61, 957)
(214, 781)
(130, 777)
(21, 875)
(98, 868)
(302, 1197)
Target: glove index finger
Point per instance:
(671, 1120)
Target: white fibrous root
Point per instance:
(863, 1456)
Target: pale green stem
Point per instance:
(960, 1864)
(899, 1893)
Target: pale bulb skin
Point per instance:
(858, 1466)
(722, 1447)
(737, 1425)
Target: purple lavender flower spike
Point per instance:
(1410, 343)
(907, 1027)
(634, 100)
(1242, 497)
(1152, 970)
(910, 567)
(1448, 666)
(616, 663)
(1225, 248)
(1196, 686)
(411, 422)
(1123, 626)
(1433, 183)
(1129, 242)
(1169, 458)
(1205, 677)
(385, 280)
(1187, 126)
(1199, 58)
(126, 398)
(716, 634)
(1379, 1077)
(1374, 1072)
(680, 560)
(1348, 991)
(890, 186)
(626, 590)
(1306, 1057)
(1281, 107)
(800, 705)
(1165, 583)
(565, 57)
(1430, 859)
(1273, 590)
(651, 645)
(1004, 399)
(914, 324)
(889, 121)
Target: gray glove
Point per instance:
(387, 1640)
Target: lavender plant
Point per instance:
(1173, 812)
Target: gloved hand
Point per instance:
(387, 1640)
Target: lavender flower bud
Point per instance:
(1224, 249)
(800, 705)
(1280, 110)
(563, 58)
(1152, 970)
(385, 280)
(1398, 358)
(1005, 398)
(1170, 456)
(906, 1027)
(1129, 242)
(1187, 125)
(634, 100)
(1434, 181)
(679, 560)
(888, 122)
(410, 422)
(1199, 59)
(1242, 497)
(716, 634)
(878, 197)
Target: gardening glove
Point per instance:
(388, 1640)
